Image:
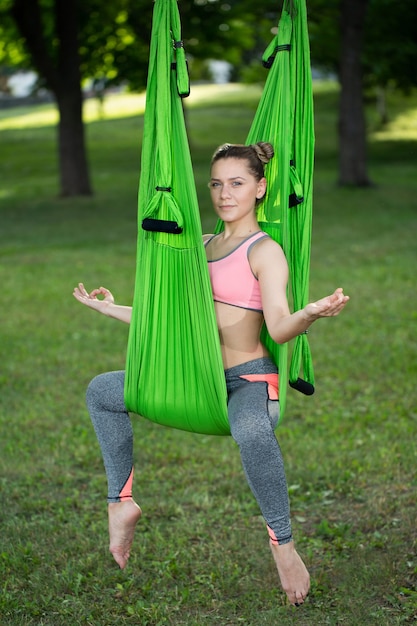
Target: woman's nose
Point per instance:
(225, 192)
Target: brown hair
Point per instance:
(256, 154)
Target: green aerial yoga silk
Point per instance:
(174, 370)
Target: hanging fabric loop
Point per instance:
(163, 206)
(183, 79)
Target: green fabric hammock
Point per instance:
(285, 118)
(174, 371)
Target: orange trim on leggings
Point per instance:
(126, 492)
(270, 379)
(272, 536)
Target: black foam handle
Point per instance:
(161, 226)
(294, 200)
(303, 386)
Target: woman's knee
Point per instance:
(106, 390)
(251, 429)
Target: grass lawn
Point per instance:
(201, 554)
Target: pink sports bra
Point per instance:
(232, 279)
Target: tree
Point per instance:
(352, 126)
(337, 34)
(60, 67)
(367, 44)
(66, 41)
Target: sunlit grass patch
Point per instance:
(402, 127)
(120, 105)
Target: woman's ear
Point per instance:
(261, 189)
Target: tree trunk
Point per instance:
(352, 126)
(73, 165)
(74, 173)
(61, 70)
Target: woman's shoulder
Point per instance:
(207, 239)
(266, 251)
(266, 244)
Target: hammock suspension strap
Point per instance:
(267, 63)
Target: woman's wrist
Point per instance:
(308, 315)
(119, 312)
(110, 310)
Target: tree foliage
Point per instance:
(114, 36)
(390, 50)
(68, 41)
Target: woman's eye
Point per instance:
(236, 183)
(214, 185)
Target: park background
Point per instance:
(201, 553)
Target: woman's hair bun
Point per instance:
(264, 150)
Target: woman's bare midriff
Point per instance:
(239, 331)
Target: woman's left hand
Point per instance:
(327, 307)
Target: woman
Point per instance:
(249, 274)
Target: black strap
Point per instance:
(268, 63)
(161, 226)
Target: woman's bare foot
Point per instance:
(293, 574)
(123, 517)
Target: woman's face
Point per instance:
(234, 190)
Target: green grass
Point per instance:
(201, 554)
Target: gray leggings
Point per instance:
(253, 416)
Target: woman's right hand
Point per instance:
(92, 299)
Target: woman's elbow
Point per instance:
(278, 336)
(280, 340)
(277, 330)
